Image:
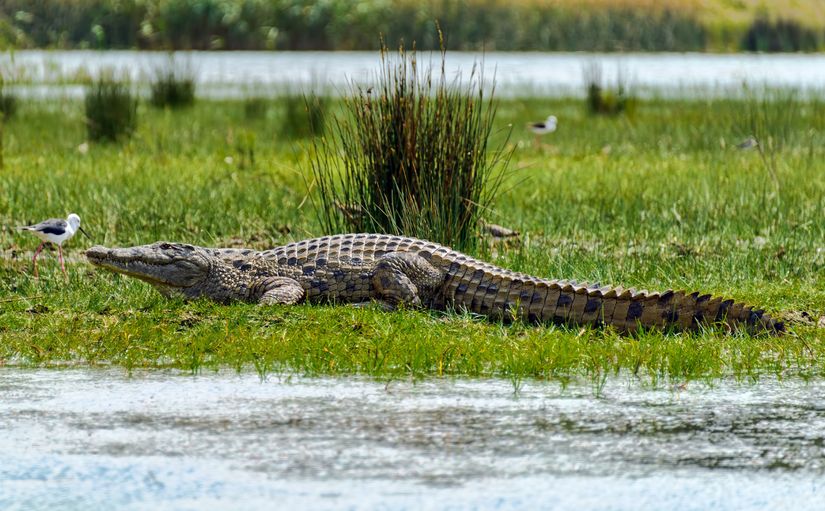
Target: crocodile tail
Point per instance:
(628, 309)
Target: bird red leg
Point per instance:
(60, 255)
(34, 259)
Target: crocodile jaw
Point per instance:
(164, 265)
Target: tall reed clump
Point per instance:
(303, 116)
(8, 101)
(602, 100)
(8, 106)
(111, 109)
(410, 155)
(173, 85)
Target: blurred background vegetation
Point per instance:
(503, 25)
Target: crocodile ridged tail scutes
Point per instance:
(567, 302)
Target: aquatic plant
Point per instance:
(173, 84)
(602, 100)
(110, 109)
(8, 101)
(8, 106)
(303, 115)
(414, 153)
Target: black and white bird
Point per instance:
(543, 128)
(57, 231)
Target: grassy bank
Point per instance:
(657, 200)
(566, 25)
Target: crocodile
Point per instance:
(402, 271)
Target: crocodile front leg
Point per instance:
(281, 290)
(405, 278)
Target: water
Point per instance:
(232, 74)
(99, 439)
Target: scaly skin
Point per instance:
(357, 268)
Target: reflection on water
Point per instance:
(86, 439)
(228, 74)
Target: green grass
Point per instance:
(660, 199)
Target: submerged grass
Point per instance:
(663, 199)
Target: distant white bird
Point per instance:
(543, 128)
(55, 230)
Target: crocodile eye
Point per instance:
(165, 246)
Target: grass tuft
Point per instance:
(605, 101)
(8, 101)
(8, 106)
(415, 156)
(303, 116)
(255, 107)
(173, 85)
(110, 109)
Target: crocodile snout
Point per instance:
(97, 253)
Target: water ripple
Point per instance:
(99, 438)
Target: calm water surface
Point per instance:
(241, 73)
(100, 439)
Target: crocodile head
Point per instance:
(172, 268)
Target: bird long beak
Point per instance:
(84, 232)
